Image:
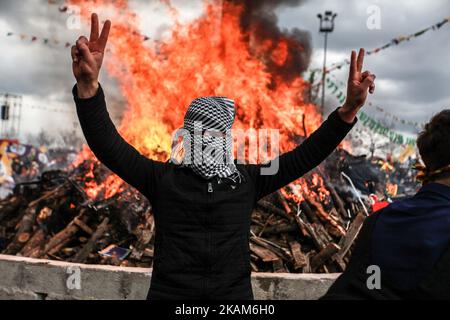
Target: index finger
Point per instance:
(104, 35)
(352, 71)
(360, 59)
(94, 27)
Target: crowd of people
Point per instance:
(24, 163)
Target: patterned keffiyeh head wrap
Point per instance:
(207, 146)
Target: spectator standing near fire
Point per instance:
(408, 242)
(202, 210)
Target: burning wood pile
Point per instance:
(54, 218)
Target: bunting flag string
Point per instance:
(53, 41)
(415, 124)
(50, 42)
(376, 127)
(372, 124)
(63, 8)
(339, 92)
(338, 89)
(395, 41)
(52, 109)
(36, 39)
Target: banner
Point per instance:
(338, 89)
(376, 127)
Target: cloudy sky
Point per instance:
(412, 78)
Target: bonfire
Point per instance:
(87, 214)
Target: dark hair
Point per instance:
(434, 141)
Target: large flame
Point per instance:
(208, 56)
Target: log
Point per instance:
(298, 221)
(36, 241)
(254, 267)
(23, 233)
(346, 242)
(307, 267)
(25, 226)
(325, 216)
(44, 214)
(299, 257)
(316, 239)
(277, 229)
(83, 226)
(91, 244)
(338, 202)
(64, 235)
(265, 254)
(324, 255)
(263, 229)
(306, 208)
(273, 209)
(55, 193)
(144, 235)
(322, 232)
(284, 203)
(278, 250)
(278, 266)
(9, 206)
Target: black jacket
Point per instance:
(201, 227)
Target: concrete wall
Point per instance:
(26, 278)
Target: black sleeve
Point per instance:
(110, 148)
(294, 164)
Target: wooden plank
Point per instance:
(65, 234)
(325, 216)
(36, 241)
(275, 248)
(299, 257)
(144, 234)
(317, 241)
(90, 245)
(326, 253)
(346, 242)
(24, 231)
(278, 266)
(265, 254)
(273, 209)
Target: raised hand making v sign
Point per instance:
(359, 83)
(87, 58)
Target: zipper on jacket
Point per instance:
(210, 187)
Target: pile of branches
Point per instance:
(53, 218)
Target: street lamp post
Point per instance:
(326, 26)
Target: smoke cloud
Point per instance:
(259, 20)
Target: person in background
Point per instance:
(408, 242)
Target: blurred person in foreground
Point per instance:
(408, 242)
(203, 209)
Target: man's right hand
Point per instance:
(87, 58)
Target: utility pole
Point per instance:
(326, 26)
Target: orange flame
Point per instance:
(208, 56)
